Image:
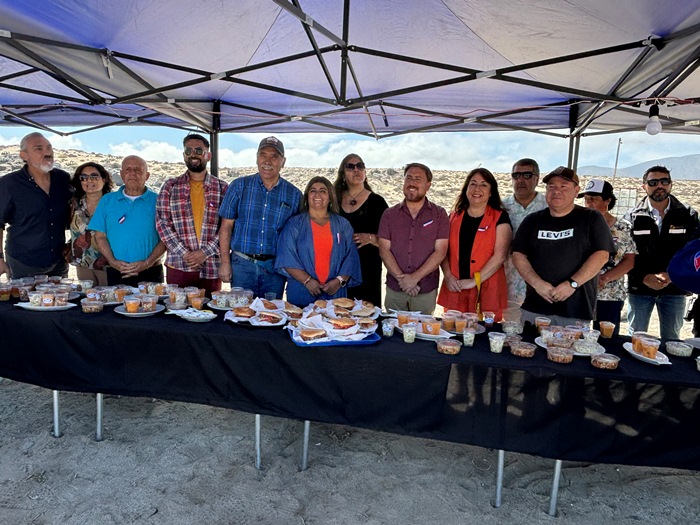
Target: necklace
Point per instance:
(353, 200)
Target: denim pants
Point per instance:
(671, 309)
(258, 276)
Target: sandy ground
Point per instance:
(175, 463)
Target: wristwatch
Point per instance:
(343, 282)
(573, 284)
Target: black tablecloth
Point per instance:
(638, 414)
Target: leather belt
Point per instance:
(262, 257)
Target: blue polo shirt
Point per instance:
(37, 221)
(130, 226)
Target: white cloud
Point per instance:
(148, 150)
(64, 142)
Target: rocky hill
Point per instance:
(385, 181)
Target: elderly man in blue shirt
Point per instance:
(125, 228)
(254, 210)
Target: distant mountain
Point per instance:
(682, 168)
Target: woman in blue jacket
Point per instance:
(316, 251)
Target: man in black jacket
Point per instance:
(661, 225)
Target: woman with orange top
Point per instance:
(480, 235)
(316, 250)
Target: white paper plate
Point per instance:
(601, 350)
(255, 321)
(121, 311)
(212, 304)
(661, 358)
(480, 329)
(194, 316)
(28, 306)
(429, 337)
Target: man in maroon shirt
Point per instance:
(412, 243)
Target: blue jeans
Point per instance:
(671, 309)
(258, 276)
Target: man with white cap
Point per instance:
(559, 252)
(598, 195)
(254, 210)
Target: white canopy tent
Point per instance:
(377, 68)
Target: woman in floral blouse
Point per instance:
(91, 181)
(598, 195)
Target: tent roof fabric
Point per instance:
(357, 66)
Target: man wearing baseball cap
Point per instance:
(612, 292)
(254, 210)
(559, 252)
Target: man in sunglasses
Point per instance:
(35, 204)
(187, 219)
(661, 225)
(254, 210)
(525, 200)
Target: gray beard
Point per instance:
(659, 196)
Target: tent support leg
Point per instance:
(56, 416)
(99, 400)
(257, 442)
(305, 446)
(555, 489)
(499, 479)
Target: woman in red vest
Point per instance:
(480, 235)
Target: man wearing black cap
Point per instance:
(253, 213)
(559, 252)
(661, 225)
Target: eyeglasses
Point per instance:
(89, 176)
(359, 165)
(197, 151)
(654, 182)
(527, 175)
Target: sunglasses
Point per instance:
(92, 176)
(527, 175)
(654, 182)
(359, 165)
(197, 151)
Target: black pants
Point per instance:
(154, 274)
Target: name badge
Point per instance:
(428, 223)
(641, 232)
(483, 229)
(676, 230)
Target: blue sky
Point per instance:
(450, 151)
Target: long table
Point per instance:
(639, 414)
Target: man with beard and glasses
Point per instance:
(413, 237)
(253, 213)
(525, 200)
(661, 225)
(187, 219)
(35, 203)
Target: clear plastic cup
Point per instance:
(40, 279)
(472, 320)
(591, 335)
(5, 292)
(650, 347)
(496, 340)
(35, 298)
(132, 304)
(409, 332)
(489, 318)
(607, 329)
(270, 296)
(468, 336)
(197, 303)
(149, 302)
(60, 299)
(388, 327)
(541, 322)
